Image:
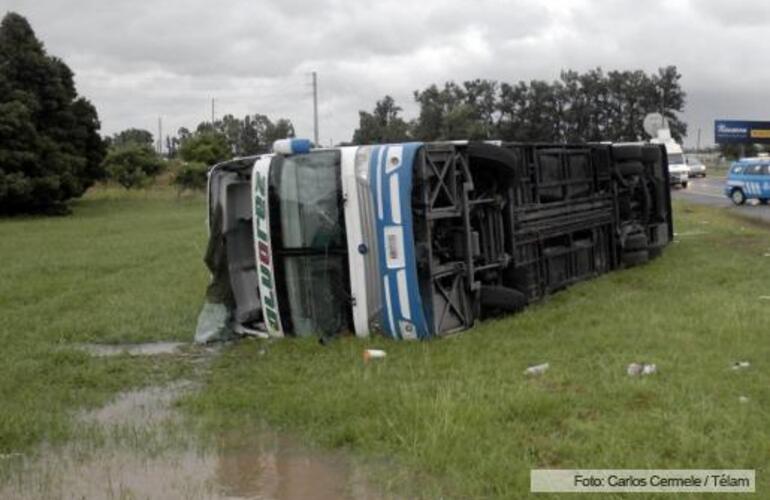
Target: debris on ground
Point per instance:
(691, 233)
(743, 399)
(739, 365)
(636, 369)
(259, 331)
(373, 354)
(764, 297)
(537, 369)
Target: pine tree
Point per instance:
(50, 148)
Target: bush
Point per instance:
(192, 176)
(132, 165)
(206, 147)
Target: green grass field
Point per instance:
(122, 268)
(456, 417)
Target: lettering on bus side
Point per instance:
(269, 305)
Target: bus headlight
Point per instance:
(363, 157)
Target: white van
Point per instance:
(678, 171)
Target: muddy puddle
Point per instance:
(146, 451)
(147, 349)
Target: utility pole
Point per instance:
(160, 135)
(212, 111)
(315, 109)
(697, 150)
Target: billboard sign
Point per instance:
(741, 131)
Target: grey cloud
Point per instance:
(735, 13)
(137, 60)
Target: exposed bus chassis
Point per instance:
(499, 227)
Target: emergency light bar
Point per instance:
(292, 146)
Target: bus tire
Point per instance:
(627, 152)
(651, 154)
(628, 168)
(636, 258)
(636, 241)
(501, 298)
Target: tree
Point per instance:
(134, 136)
(132, 165)
(382, 126)
(591, 106)
(672, 99)
(191, 176)
(737, 151)
(50, 148)
(205, 146)
(231, 136)
(281, 129)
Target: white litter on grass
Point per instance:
(691, 233)
(767, 254)
(739, 365)
(636, 369)
(260, 332)
(743, 399)
(764, 297)
(374, 354)
(537, 369)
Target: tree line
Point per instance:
(578, 107)
(133, 161)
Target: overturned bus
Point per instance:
(418, 240)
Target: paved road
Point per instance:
(709, 191)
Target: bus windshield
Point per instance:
(311, 255)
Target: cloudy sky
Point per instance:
(138, 60)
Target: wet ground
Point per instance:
(139, 446)
(147, 349)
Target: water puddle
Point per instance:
(149, 453)
(148, 349)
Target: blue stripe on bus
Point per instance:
(392, 315)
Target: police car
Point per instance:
(749, 178)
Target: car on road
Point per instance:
(747, 179)
(697, 168)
